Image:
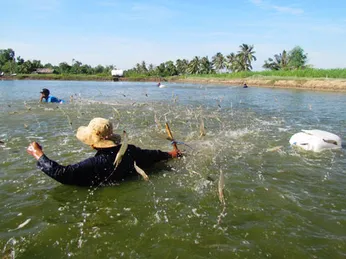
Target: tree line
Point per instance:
(10, 64)
(234, 62)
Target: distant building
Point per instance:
(44, 71)
(116, 73)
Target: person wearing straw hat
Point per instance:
(45, 97)
(100, 169)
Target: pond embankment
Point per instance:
(338, 85)
(320, 84)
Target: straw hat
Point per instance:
(98, 134)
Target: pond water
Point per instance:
(280, 202)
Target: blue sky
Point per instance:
(123, 33)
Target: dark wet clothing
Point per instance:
(100, 169)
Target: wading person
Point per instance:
(45, 97)
(99, 169)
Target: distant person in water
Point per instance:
(45, 97)
(245, 85)
(158, 85)
(100, 169)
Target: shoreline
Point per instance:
(331, 85)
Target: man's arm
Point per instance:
(82, 173)
(146, 158)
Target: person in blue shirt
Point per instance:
(45, 97)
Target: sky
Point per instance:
(126, 32)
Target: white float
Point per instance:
(315, 140)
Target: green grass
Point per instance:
(289, 74)
(268, 75)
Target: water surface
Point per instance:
(280, 202)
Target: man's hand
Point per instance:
(35, 150)
(175, 153)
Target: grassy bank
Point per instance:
(313, 79)
(305, 74)
(289, 74)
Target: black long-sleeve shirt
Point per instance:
(100, 169)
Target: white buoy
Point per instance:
(316, 140)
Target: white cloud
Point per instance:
(289, 10)
(147, 12)
(257, 2)
(328, 29)
(45, 5)
(109, 3)
(278, 8)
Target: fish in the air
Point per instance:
(21, 225)
(141, 172)
(221, 187)
(158, 124)
(273, 149)
(121, 151)
(201, 128)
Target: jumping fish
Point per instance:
(116, 111)
(170, 136)
(141, 172)
(273, 149)
(121, 151)
(221, 187)
(158, 124)
(201, 128)
(21, 225)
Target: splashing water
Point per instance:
(278, 201)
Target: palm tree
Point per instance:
(138, 68)
(206, 67)
(144, 67)
(246, 56)
(181, 65)
(219, 61)
(193, 67)
(160, 70)
(151, 69)
(232, 62)
(170, 68)
(280, 61)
